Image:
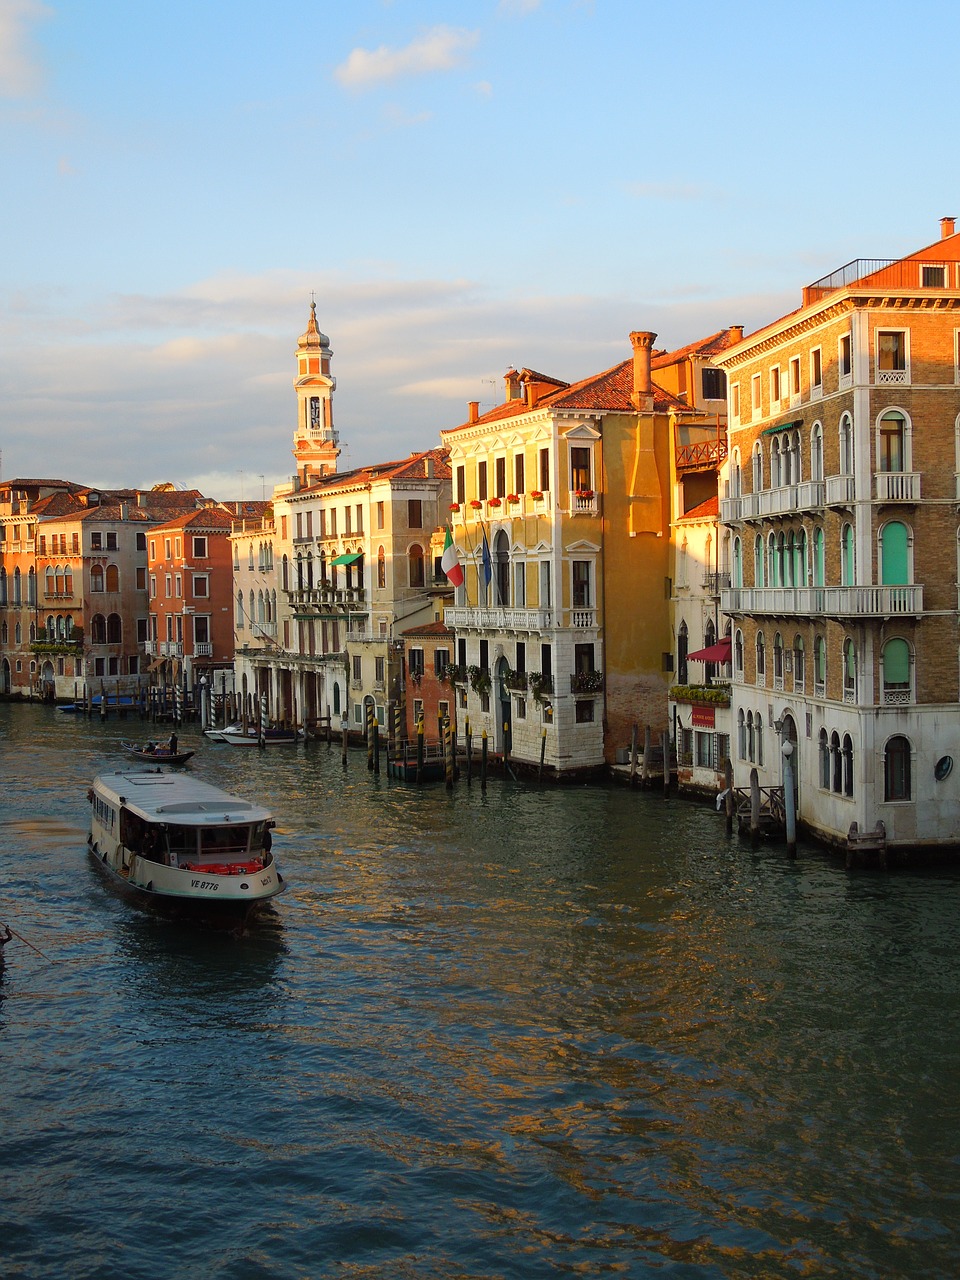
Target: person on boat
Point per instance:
(172, 744)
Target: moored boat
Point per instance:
(252, 736)
(157, 753)
(181, 845)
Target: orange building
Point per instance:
(190, 566)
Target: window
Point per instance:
(167, 548)
(500, 477)
(892, 356)
(757, 466)
(891, 440)
(849, 670)
(761, 659)
(774, 388)
(96, 541)
(847, 751)
(201, 586)
(738, 654)
(895, 666)
(379, 670)
(845, 357)
(441, 660)
(416, 662)
(799, 671)
(357, 666)
(178, 586)
(735, 401)
(112, 540)
(816, 372)
(714, 383)
(894, 554)
(816, 451)
(380, 514)
(381, 567)
(846, 445)
(581, 584)
(96, 578)
(518, 468)
(846, 556)
(359, 510)
(414, 513)
(584, 711)
(933, 275)
(794, 379)
(896, 769)
(415, 561)
(199, 548)
(755, 393)
(580, 468)
(544, 468)
(482, 480)
(819, 665)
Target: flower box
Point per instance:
(513, 497)
(536, 494)
(493, 502)
(454, 506)
(584, 493)
(476, 504)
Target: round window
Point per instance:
(944, 767)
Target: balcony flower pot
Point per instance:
(476, 504)
(536, 494)
(493, 502)
(513, 497)
(584, 493)
(454, 506)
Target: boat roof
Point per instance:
(171, 797)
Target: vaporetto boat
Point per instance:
(181, 845)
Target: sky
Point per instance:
(461, 186)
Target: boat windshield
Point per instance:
(217, 842)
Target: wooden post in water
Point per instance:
(468, 740)
(665, 748)
(543, 752)
(634, 742)
(370, 719)
(103, 701)
(645, 771)
(754, 806)
(729, 798)
(376, 745)
(344, 730)
(419, 749)
(483, 761)
(449, 752)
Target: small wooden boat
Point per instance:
(182, 846)
(156, 753)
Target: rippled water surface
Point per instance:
(561, 1032)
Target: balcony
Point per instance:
(840, 491)
(586, 682)
(327, 598)
(202, 649)
(714, 583)
(583, 502)
(807, 495)
(836, 602)
(472, 619)
(897, 486)
(731, 509)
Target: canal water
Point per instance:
(526, 1033)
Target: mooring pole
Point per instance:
(468, 738)
(483, 761)
(729, 798)
(788, 802)
(754, 806)
(543, 751)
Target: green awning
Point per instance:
(782, 426)
(351, 558)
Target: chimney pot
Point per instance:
(642, 342)
(473, 408)
(947, 227)
(736, 333)
(512, 379)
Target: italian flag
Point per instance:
(449, 563)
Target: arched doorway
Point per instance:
(4, 676)
(48, 684)
(501, 570)
(505, 720)
(788, 733)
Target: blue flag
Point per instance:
(487, 564)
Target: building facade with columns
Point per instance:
(841, 509)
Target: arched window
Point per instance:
(98, 629)
(239, 616)
(96, 577)
(758, 729)
(846, 445)
(737, 562)
(735, 479)
(415, 562)
(896, 769)
(741, 735)
(273, 605)
(846, 556)
(847, 750)
(251, 608)
(796, 469)
(381, 568)
(799, 655)
(250, 557)
(800, 558)
(777, 660)
(32, 586)
(819, 559)
(3, 584)
(59, 581)
(68, 581)
(895, 666)
(261, 609)
(836, 762)
(816, 451)
(819, 665)
(892, 442)
(776, 466)
(285, 573)
(50, 628)
(112, 580)
(757, 467)
(761, 668)
(849, 670)
(17, 584)
(758, 561)
(49, 579)
(683, 644)
(772, 560)
(114, 629)
(894, 554)
(751, 746)
(309, 570)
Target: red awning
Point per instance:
(715, 652)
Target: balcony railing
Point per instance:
(586, 682)
(840, 490)
(897, 486)
(583, 501)
(460, 618)
(328, 597)
(202, 649)
(838, 602)
(714, 583)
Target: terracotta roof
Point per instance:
(707, 347)
(410, 468)
(429, 629)
(611, 390)
(703, 511)
(205, 518)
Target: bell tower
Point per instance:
(316, 445)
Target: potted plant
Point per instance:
(476, 504)
(513, 497)
(454, 506)
(584, 493)
(536, 494)
(493, 502)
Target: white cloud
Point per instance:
(20, 73)
(439, 49)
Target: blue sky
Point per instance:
(464, 186)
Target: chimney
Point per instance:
(124, 510)
(642, 385)
(736, 333)
(512, 379)
(947, 227)
(530, 394)
(473, 410)
(428, 466)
